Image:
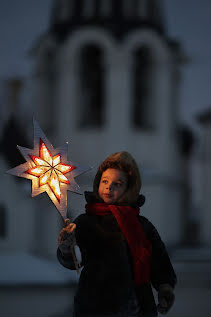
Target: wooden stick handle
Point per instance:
(66, 223)
(75, 259)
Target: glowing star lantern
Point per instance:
(49, 170)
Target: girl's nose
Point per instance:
(109, 186)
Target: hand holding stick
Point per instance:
(68, 232)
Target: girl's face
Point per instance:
(112, 185)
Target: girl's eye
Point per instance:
(105, 181)
(118, 184)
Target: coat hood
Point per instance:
(126, 163)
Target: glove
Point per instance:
(67, 233)
(165, 298)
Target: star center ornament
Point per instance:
(49, 170)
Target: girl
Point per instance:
(122, 252)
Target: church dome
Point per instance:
(118, 16)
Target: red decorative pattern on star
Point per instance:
(50, 170)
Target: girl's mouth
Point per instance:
(107, 195)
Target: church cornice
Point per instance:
(119, 29)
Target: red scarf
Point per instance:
(130, 226)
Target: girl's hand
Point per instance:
(67, 232)
(165, 298)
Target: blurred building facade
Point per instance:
(204, 119)
(106, 78)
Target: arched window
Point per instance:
(142, 114)
(3, 220)
(91, 87)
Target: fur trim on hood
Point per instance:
(126, 163)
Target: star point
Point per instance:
(49, 170)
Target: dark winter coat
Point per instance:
(106, 280)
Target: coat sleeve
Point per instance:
(87, 240)
(64, 254)
(162, 271)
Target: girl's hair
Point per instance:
(122, 161)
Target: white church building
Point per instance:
(105, 78)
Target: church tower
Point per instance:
(107, 76)
(118, 17)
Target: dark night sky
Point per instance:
(188, 21)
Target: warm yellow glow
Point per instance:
(37, 170)
(62, 178)
(45, 154)
(44, 179)
(38, 161)
(55, 185)
(56, 160)
(50, 170)
(63, 168)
